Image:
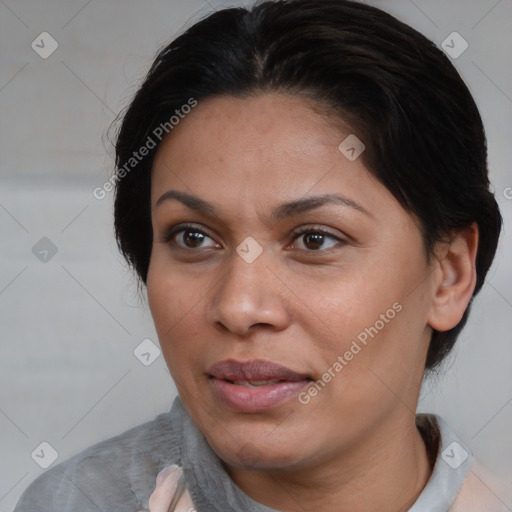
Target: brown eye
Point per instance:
(193, 238)
(313, 240)
(316, 240)
(188, 237)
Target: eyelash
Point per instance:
(176, 230)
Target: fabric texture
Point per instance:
(120, 473)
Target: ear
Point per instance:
(455, 278)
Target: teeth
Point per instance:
(255, 383)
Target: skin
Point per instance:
(299, 304)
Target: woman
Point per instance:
(302, 187)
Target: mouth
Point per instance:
(255, 385)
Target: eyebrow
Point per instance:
(280, 212)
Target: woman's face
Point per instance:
(251, 311)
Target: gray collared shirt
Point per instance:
(118, 474)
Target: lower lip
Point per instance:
(261, 398)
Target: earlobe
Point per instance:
(453, 288)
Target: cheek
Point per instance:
(383, 358)
(166, 305)
(374, 318)
(178, 313)
(169, 297)
(340, 307)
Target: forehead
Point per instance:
(261, 149)
(266, 126)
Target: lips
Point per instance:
(254, 386)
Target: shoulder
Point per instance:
(482, 491)
(117, 474)
(459, 483)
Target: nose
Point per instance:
(250, 295)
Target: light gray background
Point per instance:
(68, 375)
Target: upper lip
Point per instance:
(254, 370)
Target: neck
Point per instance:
(385, 473)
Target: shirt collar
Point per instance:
(451, 467)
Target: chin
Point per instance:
(257, 455)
